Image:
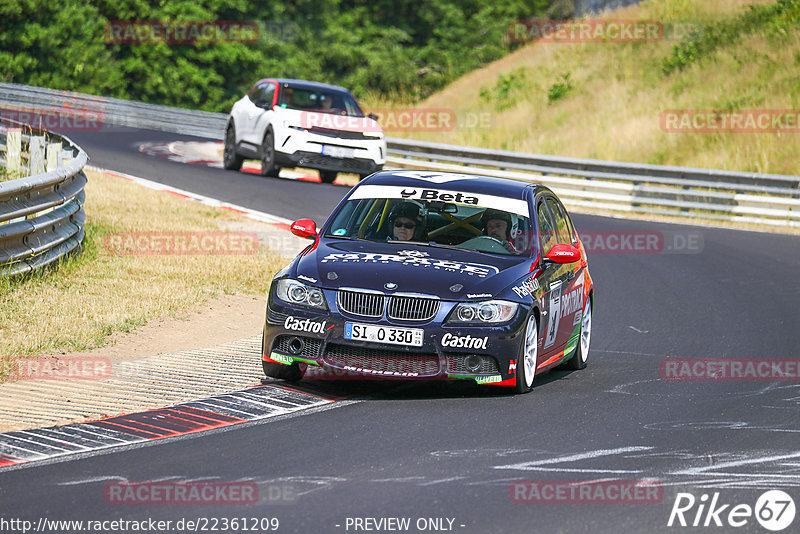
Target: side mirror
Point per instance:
(304, 228)
(373, 117)
(563, 253)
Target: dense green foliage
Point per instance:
(775, 21)
(399, 49)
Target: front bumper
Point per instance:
(316, 340)
(321, 162)
(303, 148)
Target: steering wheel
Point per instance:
(485, 243)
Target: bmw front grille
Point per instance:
(401, 307)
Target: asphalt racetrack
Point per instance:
(449, 456)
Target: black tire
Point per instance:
(327, 177)
(290, 373)
(230, 159)
(268, 167)
(529, 346)
(578, 360)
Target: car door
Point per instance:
(571, 298)
(554, 278)
(253, 110)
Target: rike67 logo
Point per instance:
(774, 510)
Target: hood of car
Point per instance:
(450, 274)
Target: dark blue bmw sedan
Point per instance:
(429, 275)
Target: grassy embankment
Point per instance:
(98, 293)
(604, 100)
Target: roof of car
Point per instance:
(468, 183)
(307, 84)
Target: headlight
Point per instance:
(294, 292)
(486, 312)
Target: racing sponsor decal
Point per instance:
(433, 194)
(555, 314)
(572, 301)
(306, 278)
(479, 295)
(413, 253)
(488, 379)
(306, 325)
(527, 287)
(472, 269)
(512, 367)
(511, 205)
(281, 358)
(466, 342)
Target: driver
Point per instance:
(405, 222)
(497, 224)
(326, 102)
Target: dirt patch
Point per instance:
(222, 320)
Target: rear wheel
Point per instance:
(268, 167)
(327, 177)
(230, 159)
(578, 361)
(526, 364)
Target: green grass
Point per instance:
(604, 100)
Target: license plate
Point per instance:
(384, 334)
(337, 151)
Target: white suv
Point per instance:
(295, 123)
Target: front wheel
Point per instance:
(578, 361)
(291, 373)
(268, 167)
(526, 365)
(230, 159)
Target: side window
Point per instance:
(263, 93)
(562, 229)
(547, 234)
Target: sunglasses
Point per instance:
(410, 226)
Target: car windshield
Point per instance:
(465, 225)
(319, 100)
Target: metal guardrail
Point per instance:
(685, 192)
(96, 112)
(769, 199)
(41, 215)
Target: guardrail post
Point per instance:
(36, 157)
(13, 151)
(52, 155)
(64, 157)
